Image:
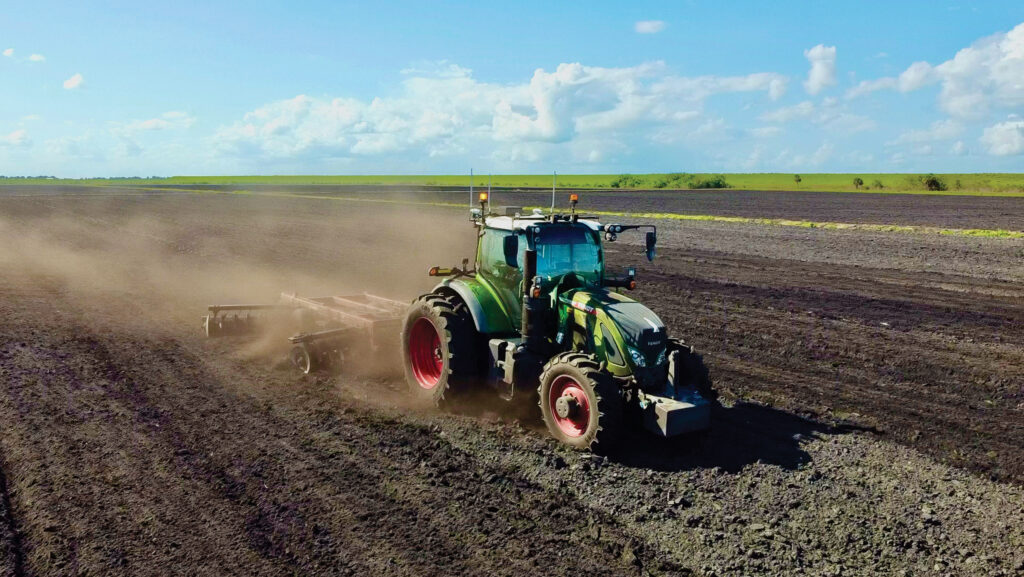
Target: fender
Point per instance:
(483, 305)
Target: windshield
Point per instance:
(563, 249)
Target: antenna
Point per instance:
(471, 197)
(489, 190)
(554, 179)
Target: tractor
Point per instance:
(538, 318)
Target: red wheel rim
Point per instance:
(425, 353)
(574, 424)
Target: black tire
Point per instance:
(454, 366)
(596, 427)
(695, 372)
(211, 326)
(304, 359)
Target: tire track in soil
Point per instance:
(276, 527)
(89, 482)
(451, 477)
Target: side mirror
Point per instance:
(512, 250)
(652, 240)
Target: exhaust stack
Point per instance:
(532, 328)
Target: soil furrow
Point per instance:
(835, 358)
(12, 558)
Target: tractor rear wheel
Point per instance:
(437, 349)
(582, 406)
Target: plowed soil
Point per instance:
(872, 384)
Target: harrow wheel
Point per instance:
(211, 326)
(582, 406)
(437, 349)
(304, 359)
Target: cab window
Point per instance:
(492, 252)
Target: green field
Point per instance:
(994, 184)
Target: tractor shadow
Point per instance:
(743, 434)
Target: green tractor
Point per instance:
(538, 318)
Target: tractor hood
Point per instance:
(641, 330)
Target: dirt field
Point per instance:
(908, 209)
(873, 417)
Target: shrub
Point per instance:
(858, 182)
(797, 179)
(627, 181)
(711, 181)
(877, 184)
(674, 180)
(932, 182)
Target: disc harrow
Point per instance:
(327, 330)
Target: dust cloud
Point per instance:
(156, 263)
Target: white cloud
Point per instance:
(436, 69)
(1005, 138)
(765, 131)
(9, 53)
(869, 86)
(129, 136)
(592, 112)
(982, 77)
(860, 158)
(917, 75)
(84, 147)
(817, 158)
(830, 115)
(823, 68)
(789, 113)
(940, 130)
(17, 138)
(37, 58)
(959, 148)
(649, 26)
(804, 161)
(167, 120)
(74, 82)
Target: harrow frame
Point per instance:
(329, 328)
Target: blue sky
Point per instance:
(119, 88)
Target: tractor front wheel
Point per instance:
(437, 349)
(582, 406)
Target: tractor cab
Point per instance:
(566, 253)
